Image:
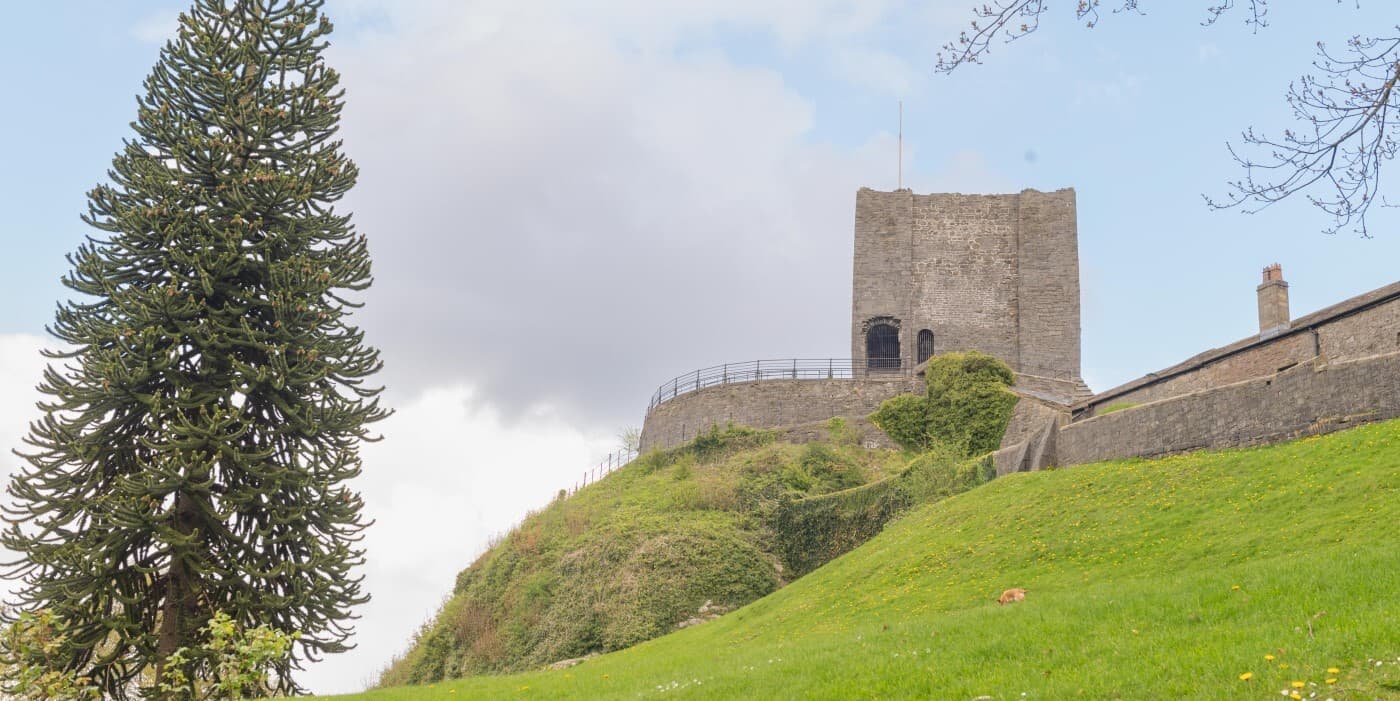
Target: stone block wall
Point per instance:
(1365, 325)
(883, 270)
(1310, 398)
(767, 404)
(965, 273)
(993, 273)
(1048, 292)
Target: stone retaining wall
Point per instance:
(767, 404)
(1310, 398)
(1360, 327)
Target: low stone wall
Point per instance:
(767, 404)
(1028, 418)
(861, 429)
(1310, 398)
(1029, 441)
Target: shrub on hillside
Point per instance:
(628, 558)
(966, 407)
(969, 403)
(813, 531)
(905, 419)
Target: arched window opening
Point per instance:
(925, 345)
(882, 347)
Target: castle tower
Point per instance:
(947, 272)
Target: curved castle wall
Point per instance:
(769, 403)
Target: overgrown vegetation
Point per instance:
(231, 662)
(630, 557)
(965, 409)
(1225, 575)
(816, 530)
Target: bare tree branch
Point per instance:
(1345, 106)
(1335, 161)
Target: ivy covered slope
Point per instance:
(632, 556)
(1229, 575)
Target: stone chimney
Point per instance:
(1273, 302)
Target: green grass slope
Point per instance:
(1228, 575)
(628, 558)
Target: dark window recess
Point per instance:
(925, 345)
(882, 347)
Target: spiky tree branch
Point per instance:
(194, 451)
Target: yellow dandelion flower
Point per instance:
(1331, 680)
(1333, 670)
(1246, 676)
(1270, 658)
(1298, 685)
(1235, 588)
(1283, 665)
(1295, 695)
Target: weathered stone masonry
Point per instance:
(1318, 373)
(1307, 399)
(1362, 326)
(767, 404)
(1000, 274)
(992, 273)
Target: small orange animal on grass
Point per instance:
(1011, 596)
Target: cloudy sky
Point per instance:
(571, 202)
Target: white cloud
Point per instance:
(540, 197)
(21, 369)
(874, 69)
(450, 473)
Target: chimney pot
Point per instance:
(1273, 302)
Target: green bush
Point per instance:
(969, 403)
(905, 419)
(630, 556)
(966, 407)
(841, 432)
(813, 531)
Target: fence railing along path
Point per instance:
(607, 465)
(779, 369)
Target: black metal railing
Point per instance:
(613, 462)
(785, 369)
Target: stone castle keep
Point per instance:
(992, 273)
(1000, 274)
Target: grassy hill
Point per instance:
(1229, 575)
(628, 558)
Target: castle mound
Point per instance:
(1228, 574)
(675, 538)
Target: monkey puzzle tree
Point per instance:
(196, 440)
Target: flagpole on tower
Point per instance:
(900, 180)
